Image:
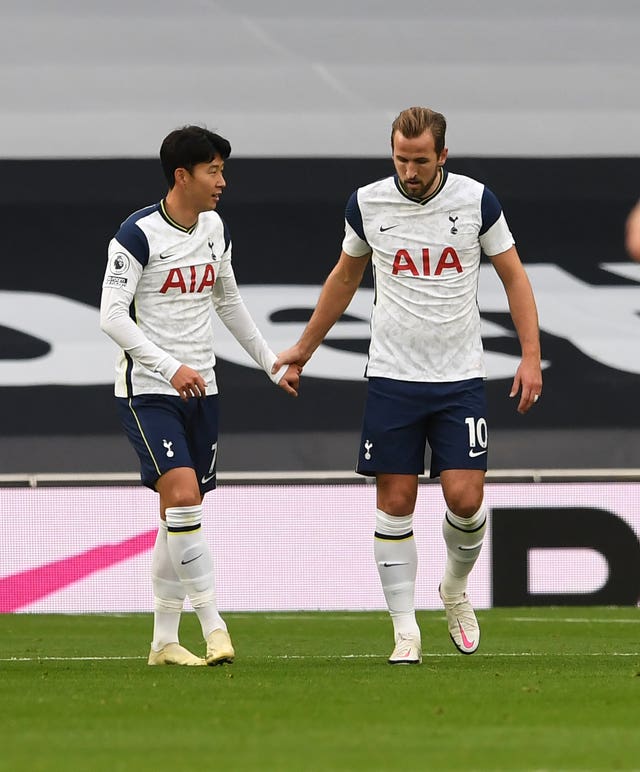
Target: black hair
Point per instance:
(188, 146)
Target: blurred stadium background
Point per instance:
(542, 104)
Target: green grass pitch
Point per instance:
(549, 689)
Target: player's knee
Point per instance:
(464, 503)
(179, 496)
(397, 504)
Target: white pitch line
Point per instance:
(485, 655)
(580, 620)
(357, 617)
(63, 659)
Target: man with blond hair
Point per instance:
(424, 229)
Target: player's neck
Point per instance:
(435, 184)
(179, 211)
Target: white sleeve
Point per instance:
(497, 238)
(352, 244)
(232, 311)
(116, 322)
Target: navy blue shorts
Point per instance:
(167, 432)
(402, 416)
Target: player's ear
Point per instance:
(443, 156)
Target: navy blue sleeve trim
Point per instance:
(227, 235)
(490, 210)
(353, 215)
(134, 240)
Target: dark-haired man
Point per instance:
(168, 266)
(424, 230)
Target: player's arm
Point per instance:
(118, 291)
(522, 305)
(234, 314)
(337, 292)
(632, 233)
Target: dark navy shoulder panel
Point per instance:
(133, 238)
(353, 215)
(490, 209)
(227, 235)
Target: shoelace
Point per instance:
(463, 610)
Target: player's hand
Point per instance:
(188, 383)
(290, 381)
(527, 381)
(293, 355)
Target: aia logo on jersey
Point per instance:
(189, 279)
(426, 265)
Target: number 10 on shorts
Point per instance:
(478, 433)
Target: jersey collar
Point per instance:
(422, 201)
(165, 216)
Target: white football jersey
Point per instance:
(425, 322)
(164, 278)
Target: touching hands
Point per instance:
(293, 355)
(290, 381)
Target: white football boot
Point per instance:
(463, 625)
(408, 650)
(219, 648)
(174, 654)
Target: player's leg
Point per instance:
(460, 444)
(181, 504)
(397, 561)
(392, 449)
(168, 598)
(202, 434)
(148, 420)
(463, 526)
(168, 594)
(463, 535)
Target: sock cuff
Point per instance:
(473, 523)
(392, 527)
(180, 519)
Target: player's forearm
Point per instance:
(525, 318)
(118, 325)
(334, 299)
(241, 325)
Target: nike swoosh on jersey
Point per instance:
(388, 228)
(204, 479)
(475, 453)
(167, 254)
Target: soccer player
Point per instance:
(632, 233)
(424, 230)
(168, 266)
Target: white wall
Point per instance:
(301, 78)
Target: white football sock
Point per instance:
(192, 562)
(168, 593)
(463, 537)
(397, 560)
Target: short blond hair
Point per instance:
(414, 121)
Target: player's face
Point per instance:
(205, 183)
(417, 163)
